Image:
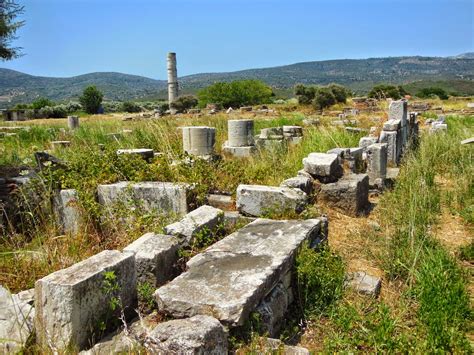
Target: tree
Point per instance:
(340, 92)
(323, 98)
(91, 99)
(9, 10)
(40, 103)
(130, 107)
(305, 94)
(236, 94)
(432, 91)
(184, 103)
(384, 91)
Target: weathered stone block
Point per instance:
(322, 166)
(377, 164)
(222, 202)
(232, 218)
(155, 257)
(303, 183)
(292, 131)
(272, 310)
(68, 211)
(230, 278)
(71, 303)
(393, 147)
(145, 153)
(16, 322)
(271, 346)
(398, 110)
(350, 194)
(165, 197)
(364, 142)
(201, 219)
(365, 284)
(392, 125)
(240, 152)
(196, 335)
(269, 133)
(256, 200)
(199, 140)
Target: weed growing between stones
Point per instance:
(146, 301)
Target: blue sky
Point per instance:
(73, 37)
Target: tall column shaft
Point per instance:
(172, 78)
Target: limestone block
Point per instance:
(303, 183)
(240, 133)
(392, 125)
(364, 142)
(16, 322)
(398, 110)
(268, 133)
(303, 173)
(272, 346)
(204, 218)
(356, 161)
(365, 283)
(155, 258)
(272, 310)
(71, 303)
(73, 122)
(292, 131)
(256, 200)
(165, 197)
(232, 218)
(230, 278)
(350, 194)
(438, 127)
(393, 148)
(240, 152)
(60, 144)
(145, 153)
(322, 166)
(69, 213)
(377, 163)
(222, 202)
(200, 334)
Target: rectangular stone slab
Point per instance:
(71, 302)
(229, 279)
(162, 196)
(155, 256)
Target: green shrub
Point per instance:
(91, 99)
(432, 92)
(40, 103)
(130, 107)
(340, 92)
(236, 94)
(184, 103)
(305, 94)
(384, 91)
(323, 98)
(320, 276)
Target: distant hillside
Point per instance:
(358, 74)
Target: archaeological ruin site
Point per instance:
(314, 208)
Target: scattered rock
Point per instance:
(364, 283)
(322, 166)
(196, 335)
(303, 183)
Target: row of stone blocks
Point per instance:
(249, 270)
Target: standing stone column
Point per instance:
(240, 133)
(199, 140)
(73, 122)
(172, 78)
(240, 142)
(377, 164)
(398, 110)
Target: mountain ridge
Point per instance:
(357, 74)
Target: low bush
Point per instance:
(184, 103)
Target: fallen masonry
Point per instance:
(71, 303)
(155, 257)
(161, 196)
(364, 283)
(202, 219)
(303, 183)
(257, 200)
(322, 166)
(200, 334)
(68, 211)
(145, 153)
(232, 277)
(350, 194)
(16, 322)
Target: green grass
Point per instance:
(433, 311)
